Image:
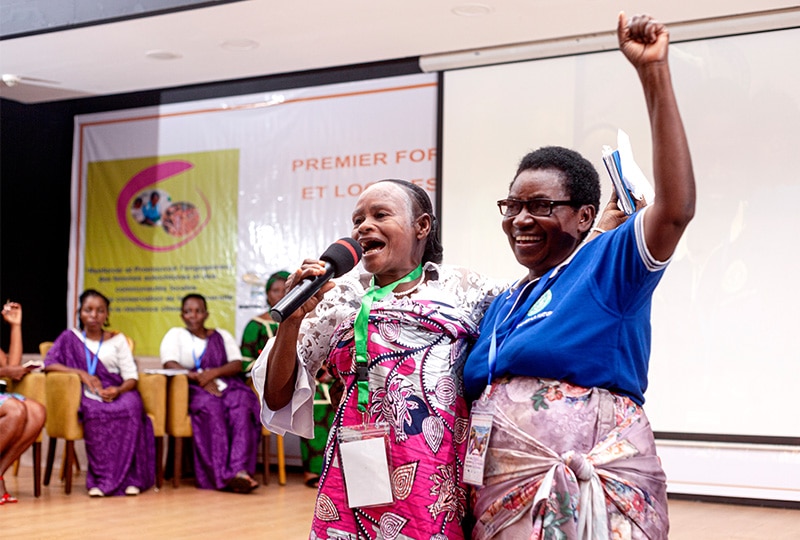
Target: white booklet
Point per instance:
(613, 165)
(33, 363)
(167, 372)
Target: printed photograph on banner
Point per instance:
(158, 228)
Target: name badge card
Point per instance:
(364, 459)
(480, 429)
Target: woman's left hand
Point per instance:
(109, 393)
(204, 377)
(211, 388)
(642, 39)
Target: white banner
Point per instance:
(235, 189)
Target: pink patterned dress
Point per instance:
(417, 346)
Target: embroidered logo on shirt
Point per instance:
(541, 303)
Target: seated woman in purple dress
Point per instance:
(21, 419)
(120, 444)
(224, 410)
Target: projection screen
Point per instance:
(725, 358)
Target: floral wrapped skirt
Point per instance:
(569, 462)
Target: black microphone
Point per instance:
(339, 258)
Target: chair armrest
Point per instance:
(153, 389)
(31, 386)
(62, 400)
(179, 423)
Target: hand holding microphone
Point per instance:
(339, 258)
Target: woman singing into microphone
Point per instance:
(397, 337)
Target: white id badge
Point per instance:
(364, 459)
(480, 429)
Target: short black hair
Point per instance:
(580, 177)
(195, 296)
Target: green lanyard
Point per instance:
(361, 330)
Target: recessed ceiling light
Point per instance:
(472, 10)
(239, 44)
(162, 55)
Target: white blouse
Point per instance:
(183, 347)
(114, 353)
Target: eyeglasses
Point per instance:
(535, 207)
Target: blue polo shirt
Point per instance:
(586, 322)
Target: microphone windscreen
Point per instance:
(343, 255)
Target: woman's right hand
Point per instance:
(92, 382)
(202, 378)
(309, 269)
(282, 359)
(205, 379)
(612, 217)
(16, 373)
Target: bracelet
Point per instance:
(597, 229)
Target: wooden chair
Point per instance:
(179, 426)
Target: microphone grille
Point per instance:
(343, 255)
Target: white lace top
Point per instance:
(454, 286)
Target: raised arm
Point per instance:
(11, 363)
(12, 313)
(645, 43)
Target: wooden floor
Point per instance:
(283, 513)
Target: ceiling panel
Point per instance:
(261, 37)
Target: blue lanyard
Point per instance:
(531, 290)
(91, 359)
(198, 359)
